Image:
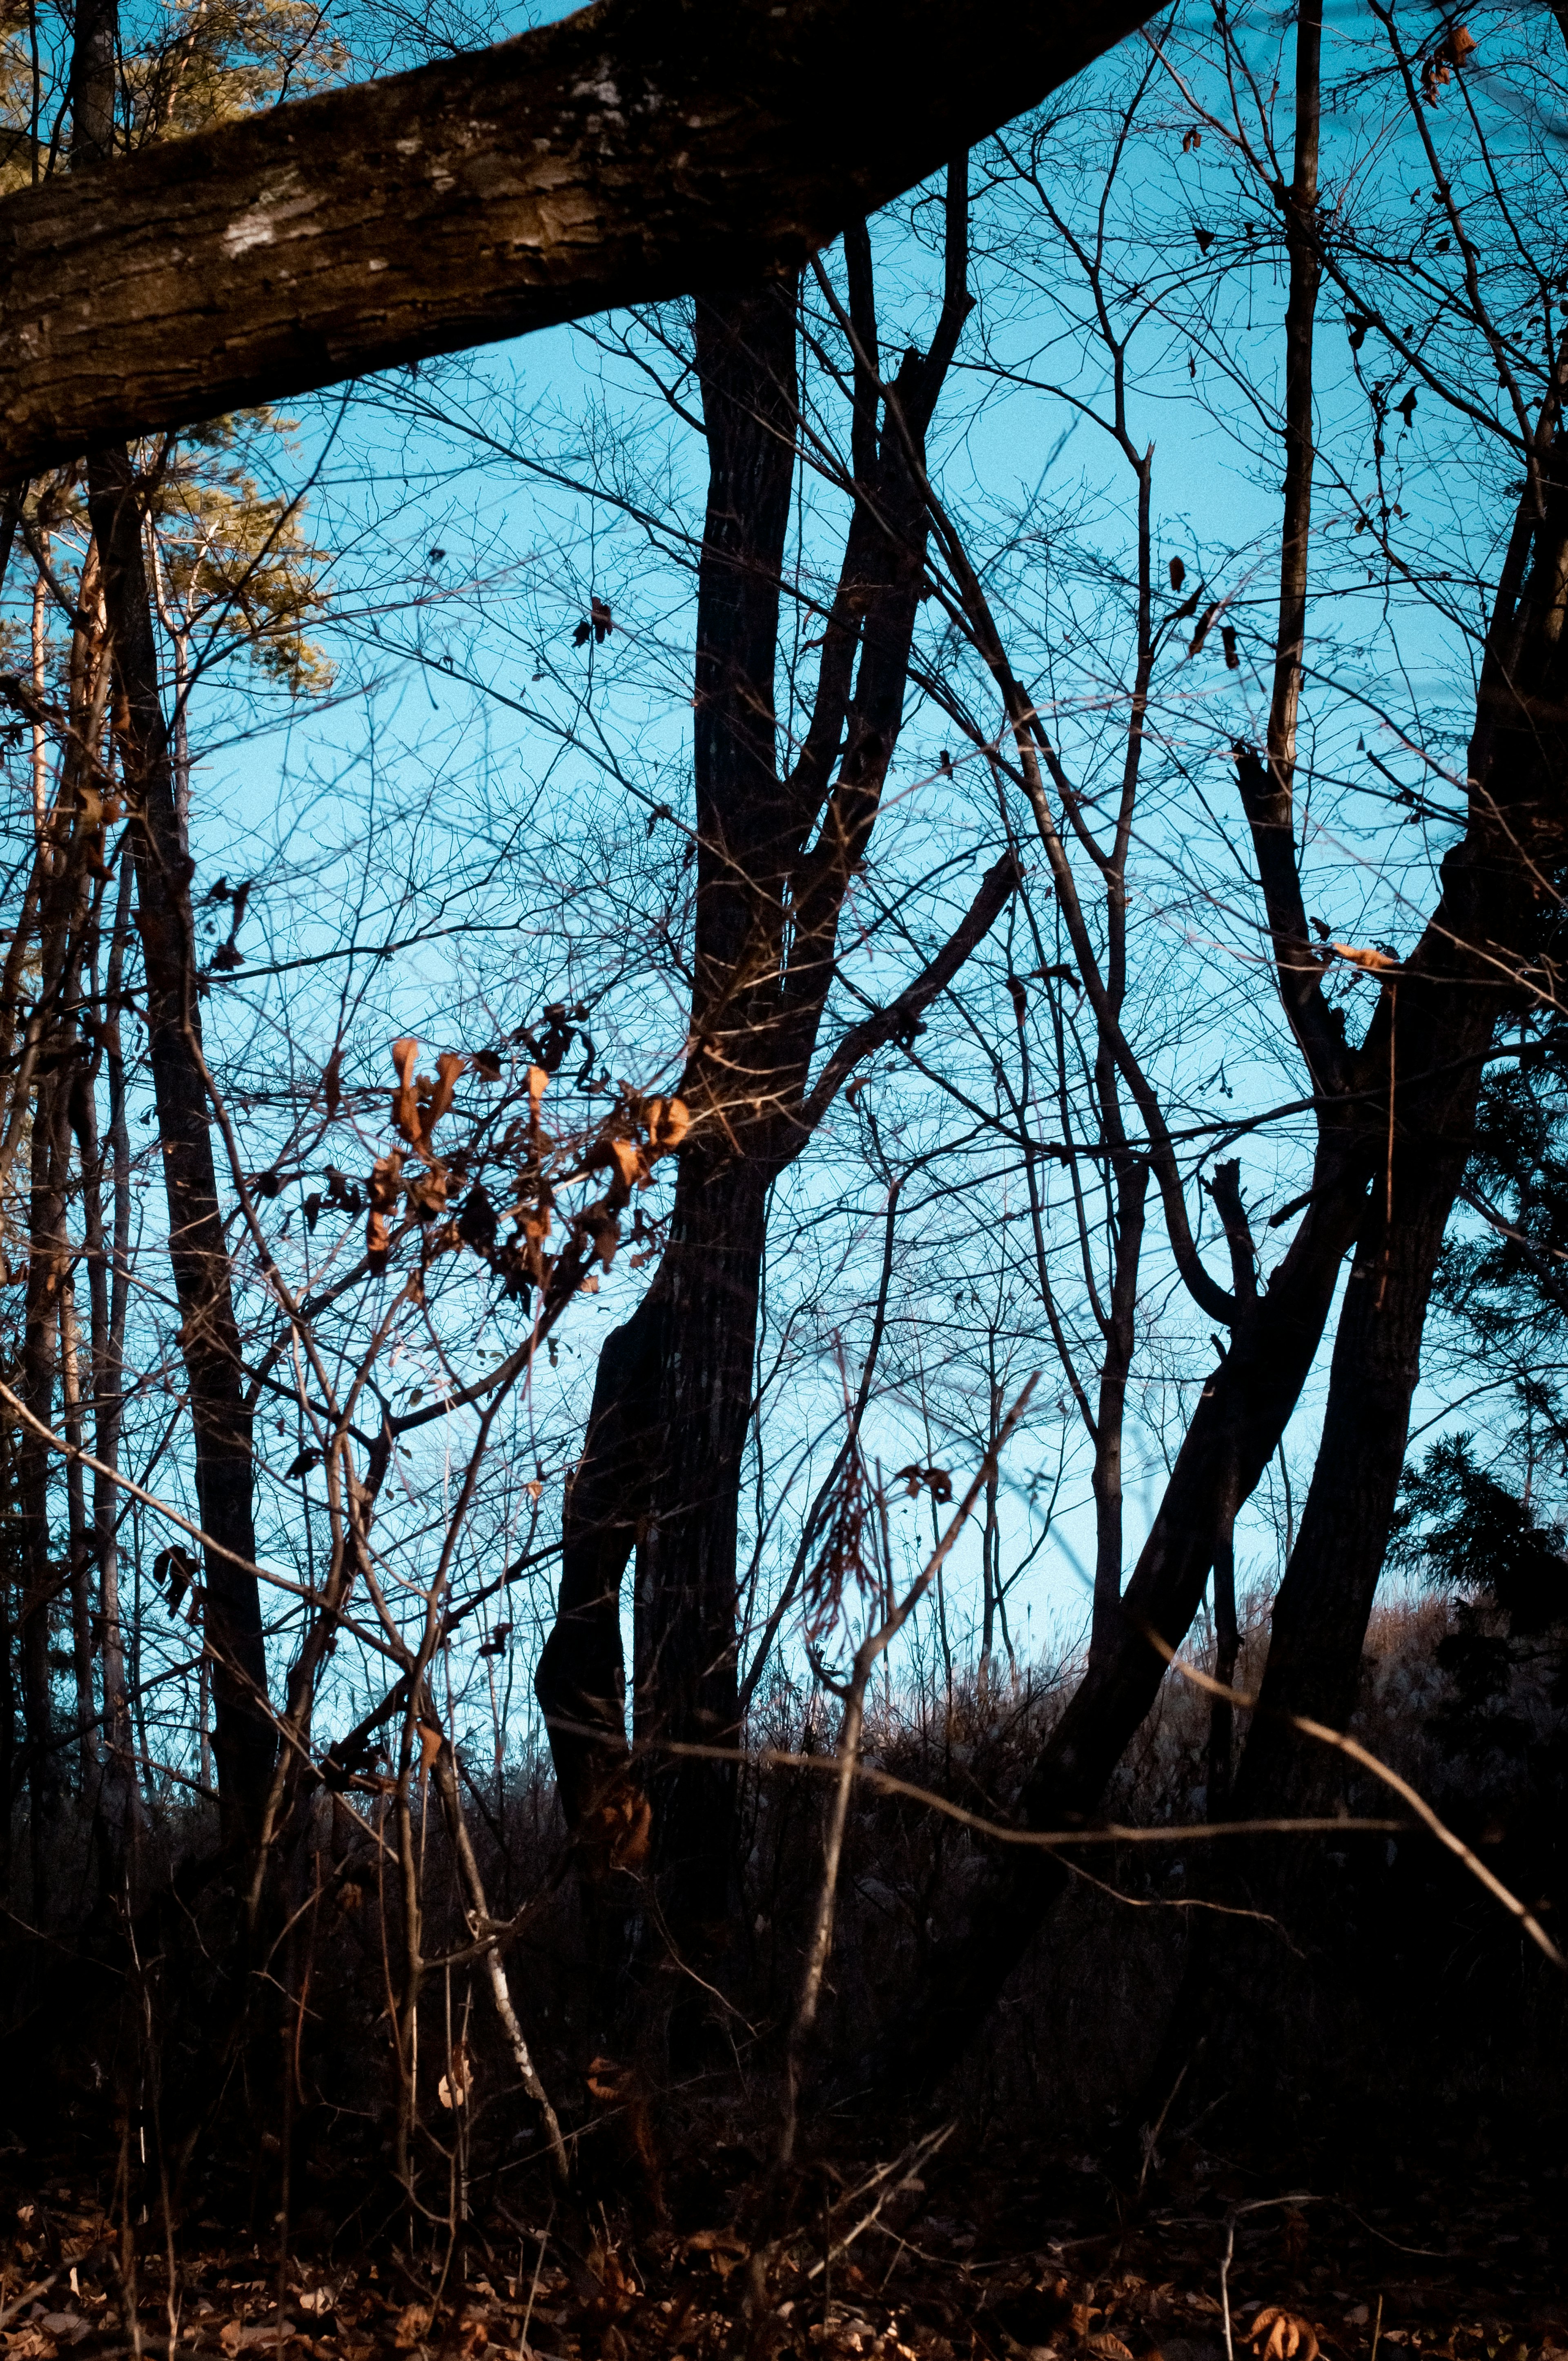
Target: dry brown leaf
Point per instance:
(429, 1745)
(412, 2323)
(1107, 2346)
(405, 1103)
(537, 1080)
(1372, 962)
(1281, 2335)
(448, 1066)
(627, 1159)
(455, 2084)
(669, 1120)
(616, 1833)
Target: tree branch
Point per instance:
(633, 152)
(901, 1015)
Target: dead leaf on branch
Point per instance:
(1372, 962)
(174, 1570)
(405, 1106)
(596, 625)
(420, 1101)
(385, 1188)
(617, 1832)
(455, 2084)
(669, 1120)
(936, 1480)
(1456, 48)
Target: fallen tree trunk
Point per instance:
(634, 152)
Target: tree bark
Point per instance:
(689, 1680)
(209, 1333)
(1435, 1030)
(632, 153)
(48, 1257)
(775, 854)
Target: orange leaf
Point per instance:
(627, 1159)
(448, 1065)
(1281, 2335)
(1371, 962)
(669, 1120)
(405, 1104)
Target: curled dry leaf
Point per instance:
(455, 2084)
(669, 1120)
(616, 1833)
(537, 1079)
(1281, 2335)
(1107, 2346)
(1371, 962)
(385, 1186)
(724, 2248)
(405, 1104)
(627, 1159)
(429, 1745)
(412, 2323)
(448, 1066)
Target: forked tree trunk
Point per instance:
(775, 853)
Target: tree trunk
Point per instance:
(688, 1681)
(1110, 1409)
(1234, 1431)
(209, 1333)
(47, 1263)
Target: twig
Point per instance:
(894, 2177)
(846, 1761)
(533, 2291)
(1401, 1787)
(1253, 2205)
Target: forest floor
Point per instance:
(979, 2250)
